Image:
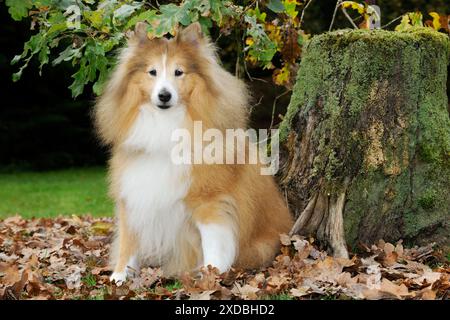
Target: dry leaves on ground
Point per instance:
(67, 258)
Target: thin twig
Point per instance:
(303, 12)
(218, 38)
(392, 21)
(260, 79)
(151, 5)
(246, 71)
(275, 104)
(349, 18)
(256, 104)
(249, 76)
(338, 4)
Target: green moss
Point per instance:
(372, 198)
(428, 200)
(355, 48)
(430, 187)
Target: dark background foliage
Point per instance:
(42, 127)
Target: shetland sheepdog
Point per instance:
(182, 216)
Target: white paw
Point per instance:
(219, 245)
(222, 267)
(118, 277)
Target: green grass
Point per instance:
(49, 194)
(281, 296)
(175, 285)
(89, 280)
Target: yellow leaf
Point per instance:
(436, 20)
(101, 228)
(404, 24)
(249, 41)
(274, 34)
(106, 29)
(77, 220)
(281, 76)
(416, 19)
(290, 7)
(251, 59)
(95, 18)
(262, 17)
(354, 5)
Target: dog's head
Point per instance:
(167, 80)
(158, 75)
(168, 70)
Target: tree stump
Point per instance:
(367, 139)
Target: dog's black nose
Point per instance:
(164, 96)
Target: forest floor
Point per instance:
(67, 258)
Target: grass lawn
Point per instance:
(48, 194)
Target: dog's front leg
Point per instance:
(216, 223)
(125, 261)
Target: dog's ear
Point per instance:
(139, 34)
(192, 34)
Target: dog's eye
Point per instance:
(178, 72)
(152, 72)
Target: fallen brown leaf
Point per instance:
(67, 258)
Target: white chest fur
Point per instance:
(152, 186)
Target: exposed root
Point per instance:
(304, 217)
(334, 230)
(323, 216)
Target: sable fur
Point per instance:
(236, 196)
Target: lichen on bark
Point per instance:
(371, 107)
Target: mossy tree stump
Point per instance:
(367, 139)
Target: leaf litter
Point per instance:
(67, 258)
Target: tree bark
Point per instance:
(366, 152)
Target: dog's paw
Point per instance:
(118, 277)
